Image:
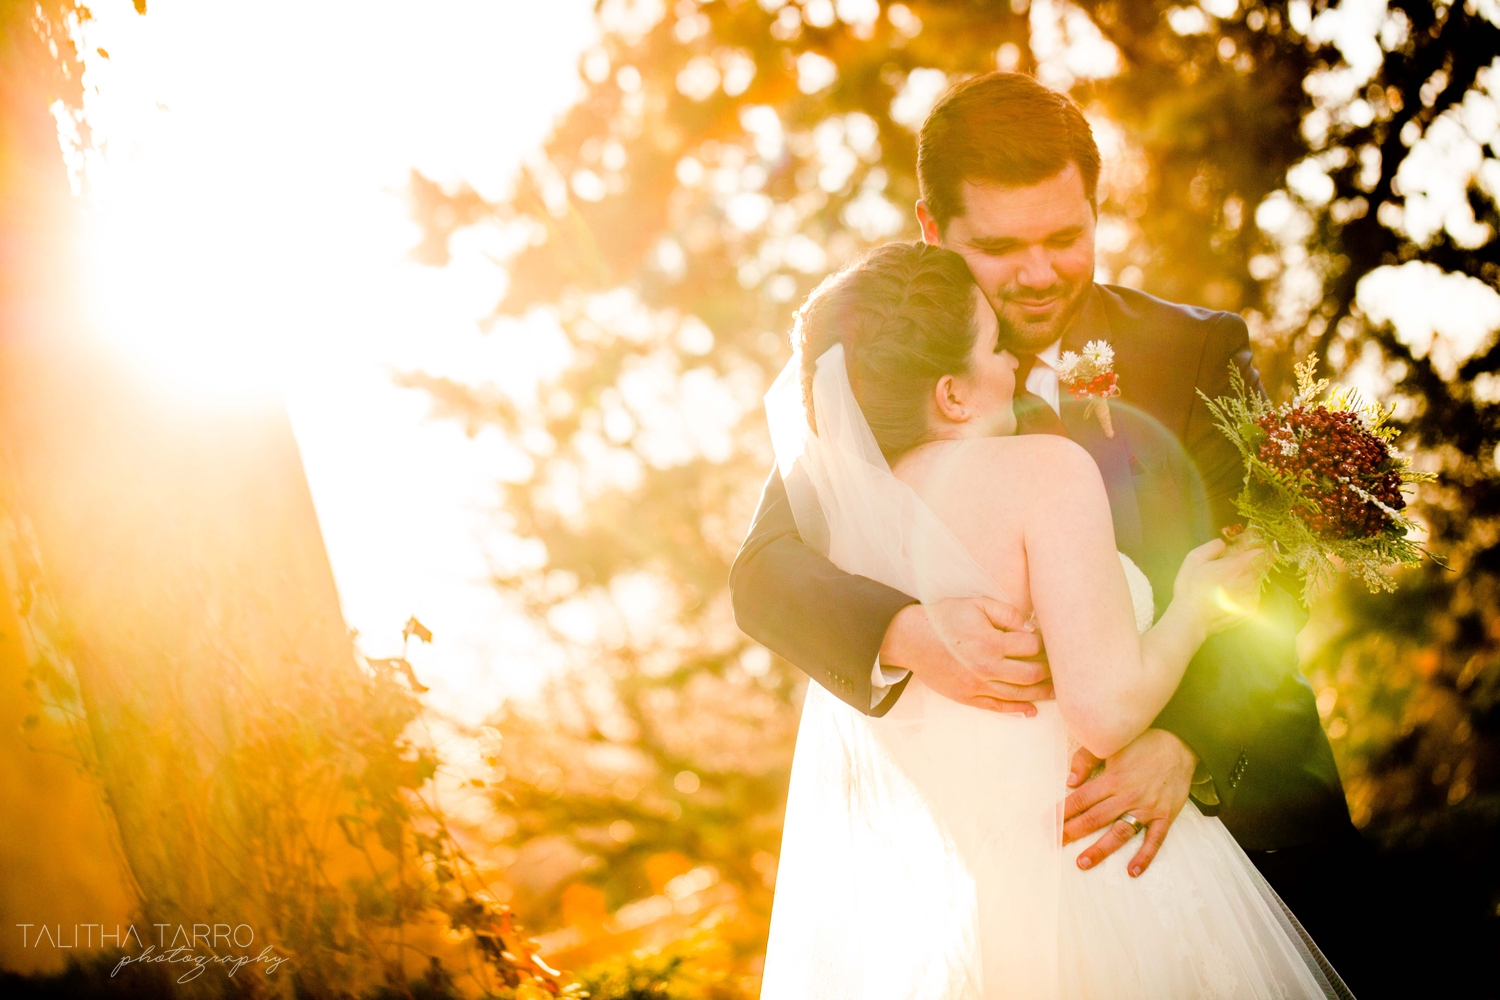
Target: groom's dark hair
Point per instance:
(1000, 128)
(905, 315)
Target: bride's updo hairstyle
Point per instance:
(905, 315)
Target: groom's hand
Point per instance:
(974, 650)
(1150, 779)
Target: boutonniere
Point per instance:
(1091, 376)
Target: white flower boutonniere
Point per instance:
(1091, 376)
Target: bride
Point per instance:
(922, 854)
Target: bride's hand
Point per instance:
(1221, 590)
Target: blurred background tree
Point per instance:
(187, 733)
(1323, 169)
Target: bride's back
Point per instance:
(982, 489)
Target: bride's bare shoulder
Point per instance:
(1041, 480)
(1037, 459)
(1030, 472)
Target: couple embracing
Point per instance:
(1139, 810)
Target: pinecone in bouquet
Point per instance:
(1323, 484)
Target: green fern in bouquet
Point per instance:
(1322, 480)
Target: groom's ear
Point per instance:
(932, 233)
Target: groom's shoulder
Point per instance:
(1135, 315)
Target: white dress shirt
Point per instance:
(1043, 382)
(1043, 378)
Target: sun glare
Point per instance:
(247, 236)
(158, 297)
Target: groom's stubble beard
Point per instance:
(1022, 334)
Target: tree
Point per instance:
(170, 630)
(1260, 157)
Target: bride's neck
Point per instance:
(946, 432)
(967, 430)
(916, 456)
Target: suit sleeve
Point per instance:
(1218, 460)
(1216, 708)
(795, 602)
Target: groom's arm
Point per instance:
(792, 600)
(788, 596)
(1218, 461)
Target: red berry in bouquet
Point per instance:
(1322, 481)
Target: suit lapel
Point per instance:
(1112, 455)
(1034, 416)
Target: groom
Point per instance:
(1008, 170)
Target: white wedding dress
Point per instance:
(921, 857)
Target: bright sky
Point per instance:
(251, 197)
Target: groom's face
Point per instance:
(1031, 250)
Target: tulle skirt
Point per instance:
(922, 858)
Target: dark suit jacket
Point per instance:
(1172, 477)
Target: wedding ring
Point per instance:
(1135, 824)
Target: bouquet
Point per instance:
(1322, 483)
(1091, 376)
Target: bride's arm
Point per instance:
(1110, 682)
